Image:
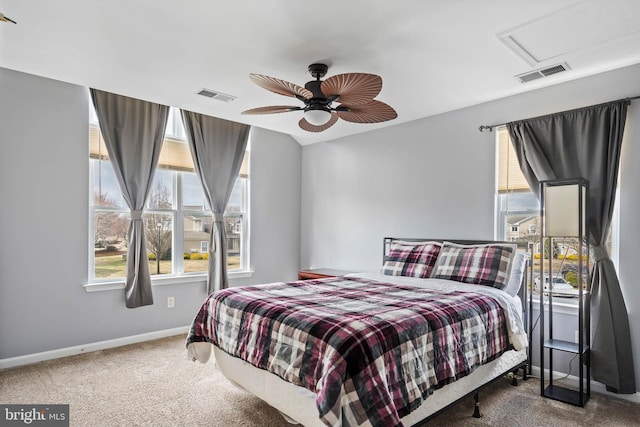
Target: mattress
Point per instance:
(298, 405)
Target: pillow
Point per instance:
(413, 259)
(517, 271)
(488, 265)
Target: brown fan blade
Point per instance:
(280, 87)
(305, 125)
(353, 88)
(272, 109)
(373, 112)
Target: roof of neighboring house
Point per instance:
(519, 220)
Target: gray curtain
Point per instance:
(133, 132)
(217, 147)
(586, 143)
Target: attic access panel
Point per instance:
(581, 26)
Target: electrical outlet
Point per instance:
(171, 302)
(576, 337)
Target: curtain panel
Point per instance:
(217, 147)
(586, 143)
(133, 132)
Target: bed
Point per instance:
(441, 320)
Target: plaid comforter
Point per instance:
(371, 351)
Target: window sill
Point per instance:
(558, 307)
(163, 281)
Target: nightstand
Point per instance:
(320, 273)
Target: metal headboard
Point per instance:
(525, 292)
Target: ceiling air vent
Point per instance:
(543, 72)
(553, 70)
(219, 96)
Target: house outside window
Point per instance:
(177, 217)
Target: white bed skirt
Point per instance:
(298, 405)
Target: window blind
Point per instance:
(510, 178)
(175, 153)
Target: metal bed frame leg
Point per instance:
(514, 373)
(476, 410)
(514, 378)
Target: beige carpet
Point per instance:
(152, 384)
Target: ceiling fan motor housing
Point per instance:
(318, 101)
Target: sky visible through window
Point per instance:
(521, 202)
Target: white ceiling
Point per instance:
(433, 56)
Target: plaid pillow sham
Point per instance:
(488, 265)
(412, 259)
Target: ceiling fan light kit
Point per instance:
(317, 116)
(354, 92)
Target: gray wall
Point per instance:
(44, 195)
(435, 177)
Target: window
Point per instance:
(517, 209)
(177, 217)
(516, 203)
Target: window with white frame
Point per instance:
(518, 213)
(516, 203)
(177, 217)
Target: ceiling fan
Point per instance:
(354, 92)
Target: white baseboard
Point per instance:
(596, 387)
(80, 349)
